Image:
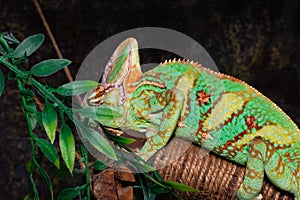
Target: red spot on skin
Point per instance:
(203, 97)
(250, 122)
(288, 155)
(204, 135)
(180, 123)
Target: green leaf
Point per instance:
(11, 76)
(10, 38)
(158, 176)
(62, 172)
(2, 50)
(180, 187)
(97, 141)
(76, 87)
(27, 197)
(100, 165)
(135, 161)
(157, 189)
(48, 150)
(67, 146)
(151, 196)
(31, 108)
(49, 118)
(143, 166)
(2, 81)
(38, 117)
(46, 179)
(29, 166)
(78, 171)
(145, 188)
(29, 45)
(121, 140)
(33, 120)
(100, 113)
(71, 193)
(48, 67)
(2, 34)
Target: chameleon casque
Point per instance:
(218, 111)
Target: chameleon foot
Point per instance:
(259, 197)
(254, 173)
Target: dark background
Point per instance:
(256, 41)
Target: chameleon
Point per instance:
(220, 112)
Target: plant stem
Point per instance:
(87, 176)
(45, 92)
(21, 87)
(40, 87)
(27, 117)
(5, 45)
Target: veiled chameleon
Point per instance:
(186, 99)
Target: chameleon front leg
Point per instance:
(171, 113)
(254, 174)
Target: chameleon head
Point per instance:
(121, 71)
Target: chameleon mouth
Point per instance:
(96, 96)
(95, 101)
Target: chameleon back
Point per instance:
(229, 117)
(224, 113)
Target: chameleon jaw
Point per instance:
(96, 96)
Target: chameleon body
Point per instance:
(218, 111)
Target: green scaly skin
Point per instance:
(219, 112)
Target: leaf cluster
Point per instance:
(54, 119)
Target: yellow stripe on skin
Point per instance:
(227, 105)
(272, 133)
(278, 135)
(183, 85)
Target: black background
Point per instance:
(256, 41)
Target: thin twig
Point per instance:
(66, 69)
(54, 43)
(38, 102)
(49, 32)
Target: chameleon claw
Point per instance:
(181, 124)
(259, 197)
